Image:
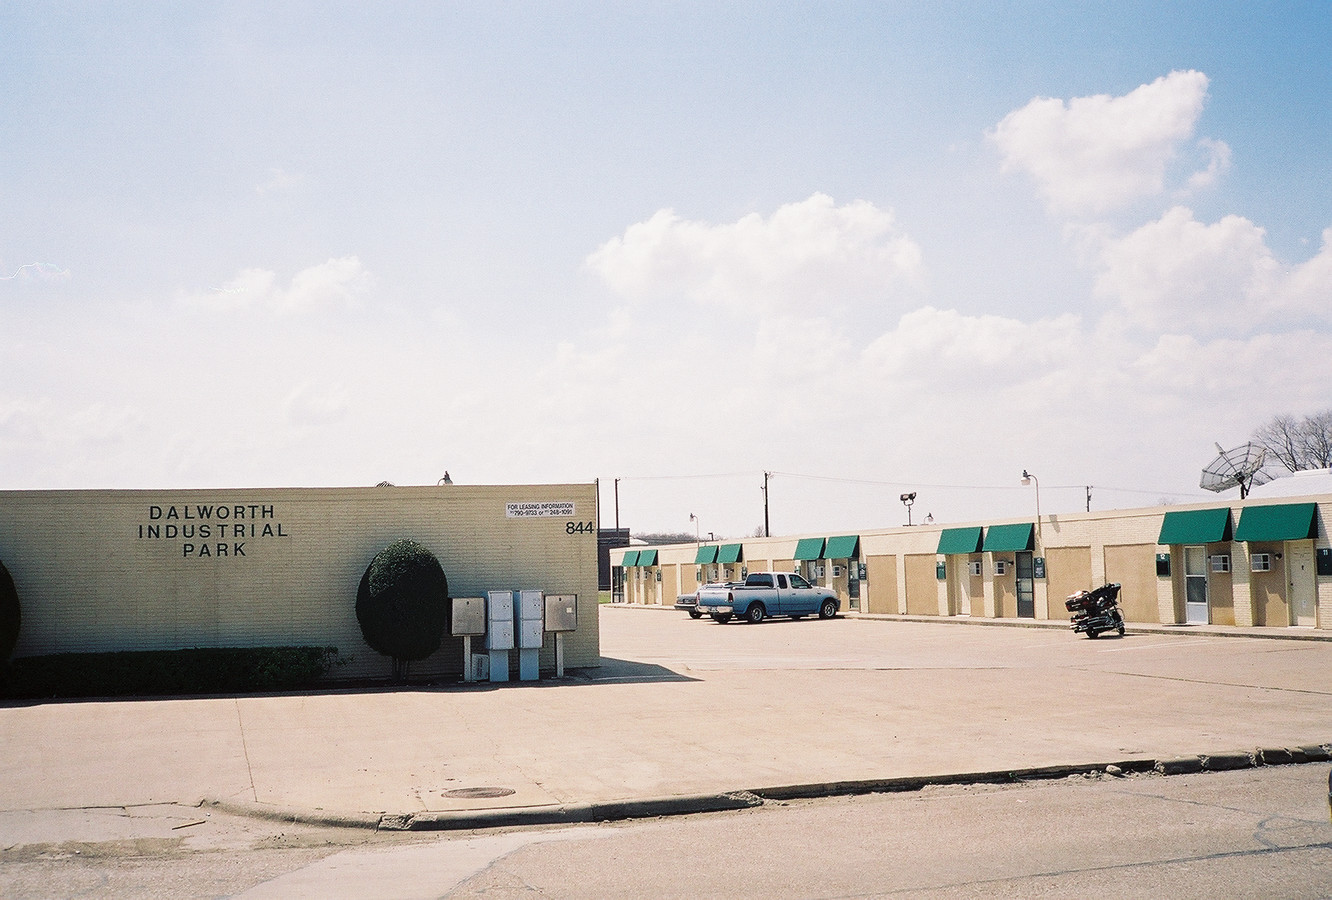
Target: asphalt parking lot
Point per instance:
(681, 708)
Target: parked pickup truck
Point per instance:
(766, 594)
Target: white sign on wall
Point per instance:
(549, 509)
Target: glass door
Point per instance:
(1026, 587)
(1195, 585)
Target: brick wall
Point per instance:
(120, 570)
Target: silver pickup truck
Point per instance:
(766, 594)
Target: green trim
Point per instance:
(647, 557)
(706, 555)
(809, 548)
(844, 547)
(960, 540)
(730, 553)
(1008, 538)
(1195, 526)
(630, 559)
(1287, 522)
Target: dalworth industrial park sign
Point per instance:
(212, 530)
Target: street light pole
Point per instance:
(1028, 478)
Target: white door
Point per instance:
(1195, 585)
(1300, 577)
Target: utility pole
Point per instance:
(767, 532)
(617, 504)
(1089, 498)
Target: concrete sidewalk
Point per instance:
(687, 715)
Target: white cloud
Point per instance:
(1095, 154)
(1217, 165)
(279, 181)
(805, 257)
(1185, 276)
(337, 282)
(317, 404)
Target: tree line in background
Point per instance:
(1298, 444)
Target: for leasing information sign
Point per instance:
(550, 509)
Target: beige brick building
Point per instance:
(1257, 562)
(132, 570)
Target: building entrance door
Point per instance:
(1302, 584)
(1195, 585)
(1026, 586)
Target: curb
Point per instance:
(654, 807)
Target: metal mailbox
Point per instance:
(469, 616)
(499, 615)
(561, 612)
(529, 634)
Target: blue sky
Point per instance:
(871, 247)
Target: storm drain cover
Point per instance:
(478, 793)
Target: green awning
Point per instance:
(1195, 526)
(844, 547)
(706, 555)
(809, 548)
(630, 559)
(647, 557)
(1287, 522)
(1008, 538)
(730, 553)
(960, 540)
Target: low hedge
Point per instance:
(203, 670)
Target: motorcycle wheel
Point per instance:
(1093, 633)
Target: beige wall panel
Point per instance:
(114, 570)
(1269, 589)
(670, 584)
(1005, 595)
(688, 579)
(922, 589)
(1068, 570)
(1220, 588)
(976, 585)
(881, 581)
(1133, 566)
(783, 565)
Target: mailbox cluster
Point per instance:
(509, 621)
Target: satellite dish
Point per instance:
(1241, 467)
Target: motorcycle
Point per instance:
(1096, 611)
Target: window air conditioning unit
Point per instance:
(975, 568)
(1260, 562)
(837, 571)
(1221, 562)
(1001, 567)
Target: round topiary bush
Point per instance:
(10, 615)
(403, 604)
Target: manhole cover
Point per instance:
(478, 793)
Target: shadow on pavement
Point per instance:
(625, 671)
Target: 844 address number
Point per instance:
(579, 527)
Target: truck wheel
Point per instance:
(755, 613)
(827, 610)
(695, 614)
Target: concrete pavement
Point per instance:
(687, 715)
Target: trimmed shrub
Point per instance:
(402, 604)
(203, 670)
(11, 615)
